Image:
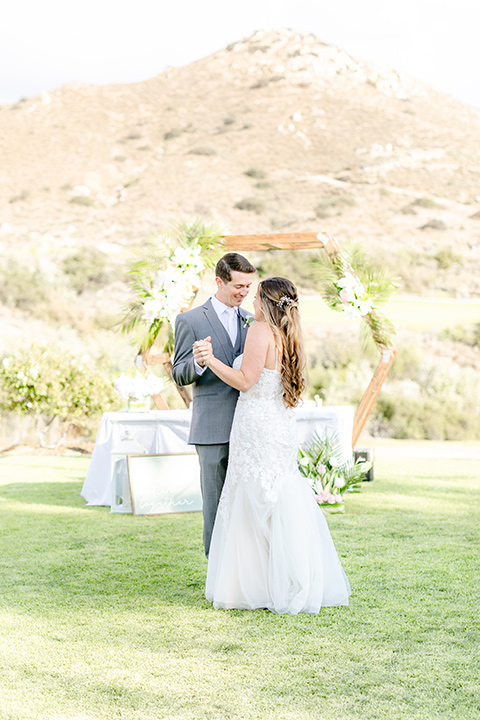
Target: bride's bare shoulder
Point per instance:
(260, 330)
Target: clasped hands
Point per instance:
(202, 351)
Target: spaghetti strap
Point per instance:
(276, 356)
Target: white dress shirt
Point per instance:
(228, 316)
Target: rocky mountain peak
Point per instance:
(275, 56)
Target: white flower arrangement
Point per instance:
(352, 283)
(174, 288)
(165, 276)
(353, 295)
(139, 386)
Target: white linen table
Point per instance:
(166, 431)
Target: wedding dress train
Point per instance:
(271, 546)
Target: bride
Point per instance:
(271, 547)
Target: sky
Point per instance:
(47, 43)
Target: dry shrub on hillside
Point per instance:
(251, 205)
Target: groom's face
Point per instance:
(234, 292)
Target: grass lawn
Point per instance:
(102, 616)
(408, 311)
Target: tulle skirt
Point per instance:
(276, 554)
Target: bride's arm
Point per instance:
(257, 342)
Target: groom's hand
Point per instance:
(202, 350)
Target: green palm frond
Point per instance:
(206, 235)
(331, 446)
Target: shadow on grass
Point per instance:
(65, 494)
(61, 553)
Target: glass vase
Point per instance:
(139, 404)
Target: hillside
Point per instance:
(327, 141)
(276, 132)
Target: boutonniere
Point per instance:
(248, 321)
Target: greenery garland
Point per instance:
(350, 282)
(165, 277)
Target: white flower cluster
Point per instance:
(139, 386)
(352, 295)
(173, 288)
(31, 372)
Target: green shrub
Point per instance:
(256, 173)
(207, 151)
(333, 205)
(409, 210)
(408, 362)
(83, 200)
(301, 270)
(424, 202)
(422, 418)
(251, 205)
(435, 400)
(85, 269)
(424, 397)
(49, 383)
(415, 271)
(466, 334)
(21, 196)
(21, 288)
(434, 224)
(446, 257)
(263, 82)
(172, 134)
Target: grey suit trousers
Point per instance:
(213, 400)
(213, 460)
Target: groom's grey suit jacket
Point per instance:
(213, 401)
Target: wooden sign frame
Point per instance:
(163, 483)
(290, 241)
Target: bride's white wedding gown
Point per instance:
(271, 546)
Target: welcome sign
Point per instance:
(164, 483)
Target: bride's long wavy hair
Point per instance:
(279, 303)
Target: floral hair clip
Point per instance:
(285, 300)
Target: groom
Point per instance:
(214, 402)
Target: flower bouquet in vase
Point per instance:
(320, 461)
(138, 390)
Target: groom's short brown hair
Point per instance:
(232, 261)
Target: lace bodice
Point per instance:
(263, 440)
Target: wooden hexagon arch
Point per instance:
(290, 241)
